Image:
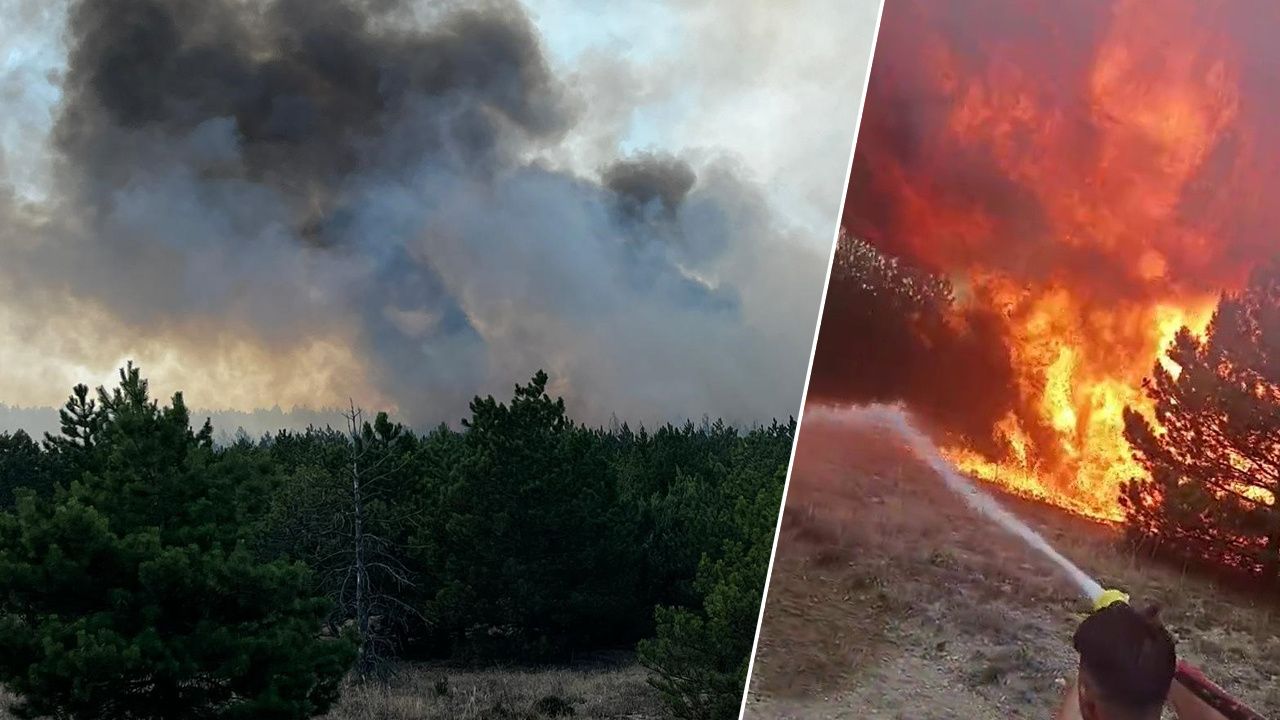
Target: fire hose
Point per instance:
(1185, 674)
(1190, 677)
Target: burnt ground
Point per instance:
(891, 599)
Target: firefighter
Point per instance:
(1126, 670)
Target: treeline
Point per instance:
(893, 332)
(146, 571)
(228, 424)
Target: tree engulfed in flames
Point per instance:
(1081, 399)
(1088, 171)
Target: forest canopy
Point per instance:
(179, 575)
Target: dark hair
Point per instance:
(1129, 656)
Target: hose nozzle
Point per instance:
(1109, 598)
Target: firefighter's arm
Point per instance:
(1189, 707)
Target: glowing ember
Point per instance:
(1087, 171)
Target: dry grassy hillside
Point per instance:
(890, 599)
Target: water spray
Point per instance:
(896, 420)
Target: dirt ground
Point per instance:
(891, 599)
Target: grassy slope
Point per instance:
(891, 599)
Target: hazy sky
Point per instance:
(530, 225)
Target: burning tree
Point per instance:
(1213, 454)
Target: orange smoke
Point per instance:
(1096, 173)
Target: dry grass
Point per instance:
(427, 693)
(618, 690)
(890, 598)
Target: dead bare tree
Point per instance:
(371, 462)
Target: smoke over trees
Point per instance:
(892, 332)
(369, 181)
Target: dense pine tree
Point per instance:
(701, 653)
(134, 592)
(1214, 459)
(81, 422)
(528, 543)
(23, 465)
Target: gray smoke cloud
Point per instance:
(232, 173)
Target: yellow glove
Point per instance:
(1109, 597)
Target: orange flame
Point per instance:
(1081, 185)
(1082, 402)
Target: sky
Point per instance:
(638, 197)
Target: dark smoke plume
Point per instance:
(274, 170)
